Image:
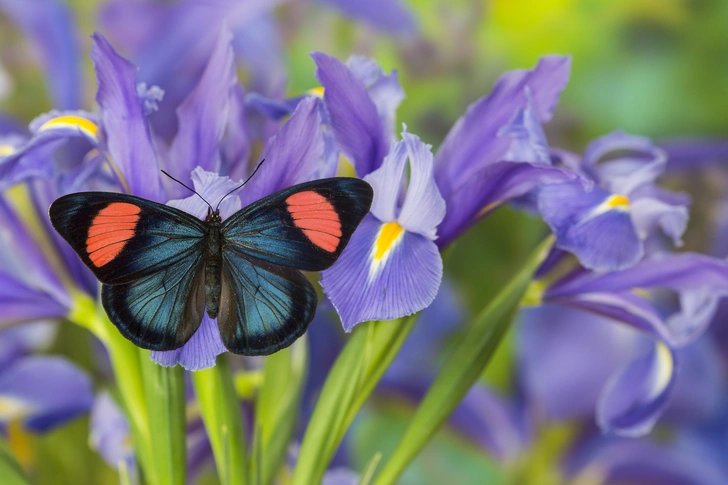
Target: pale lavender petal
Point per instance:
(566, 357)
(200, 352)
(390, 15)
(388, 183)
(20, 303)
(353, 115)
(50, 26)
(423, 207)
(586, 224)
(127, 133)
(203, 116)
(293, 155)
(48, 391)
(340, 476)
(213, 188)
(528, 141)
(258, 46)
(20, 340)
(404, 281)
(649, 215)
(236, 145)
(635, 398)
(110, 434)
(642, 165)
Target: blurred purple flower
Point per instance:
(110, 434)
(607, 226)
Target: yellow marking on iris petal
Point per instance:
(86, 126)
(664, 368)
(389, 234)
(617, 201)
(318, 92)
(12, 409)
(20, 443)
(6, 150)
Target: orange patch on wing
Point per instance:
(317, 218)
(110, 230)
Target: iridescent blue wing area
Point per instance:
(264, 307)
(305, 226)
(149, 257)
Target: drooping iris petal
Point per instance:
(384, 273)
(201, 351)
(596, 226)
(50, 26)
(21, 303)
(110, 434)
(649, 214)
(635, 398)
(44, 392)
(293, 156)
(127, 133)
(202, 117)
(353, 116)
(20, 340)
(566, 357)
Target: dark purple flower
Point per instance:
(606, 227)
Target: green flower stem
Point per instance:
(462, 368)
(125, 360)
(165, 393)
(10, 470)
(356, 372)
(276, 410)
(221, 413)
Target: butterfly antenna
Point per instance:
(239, 186)
(189, 188)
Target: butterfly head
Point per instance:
(213, 216)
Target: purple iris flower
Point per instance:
(41, 392)
(670, 298)
(110, 434)
(607, 226)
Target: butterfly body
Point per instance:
(161, 268)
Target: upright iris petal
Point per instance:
(392, 266)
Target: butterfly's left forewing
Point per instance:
(149, 258)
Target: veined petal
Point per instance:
(44, 392)
(64, 124)
(635, 398)
(626, 173)
(20, 303)
(213, 188)
(50, 26)
(649, 214)
(293, 155)
(110, 434)
(200, 352)
(528, 141)
(423, 207)
(383, 273)
(258, 45)
(595, 226)
(388, 183)
(353, 116)
(128, 138)
(236, 145)
(203, 116)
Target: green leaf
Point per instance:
(10, 471)
(221, 413)
(276, 409)
(462, 368)
(165, 394)
(352, 379)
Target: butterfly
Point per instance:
(162, 268)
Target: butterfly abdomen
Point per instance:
(213, 265)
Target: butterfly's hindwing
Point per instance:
(122, 238)
(163, 310)
(305, 227)
(263, 307)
